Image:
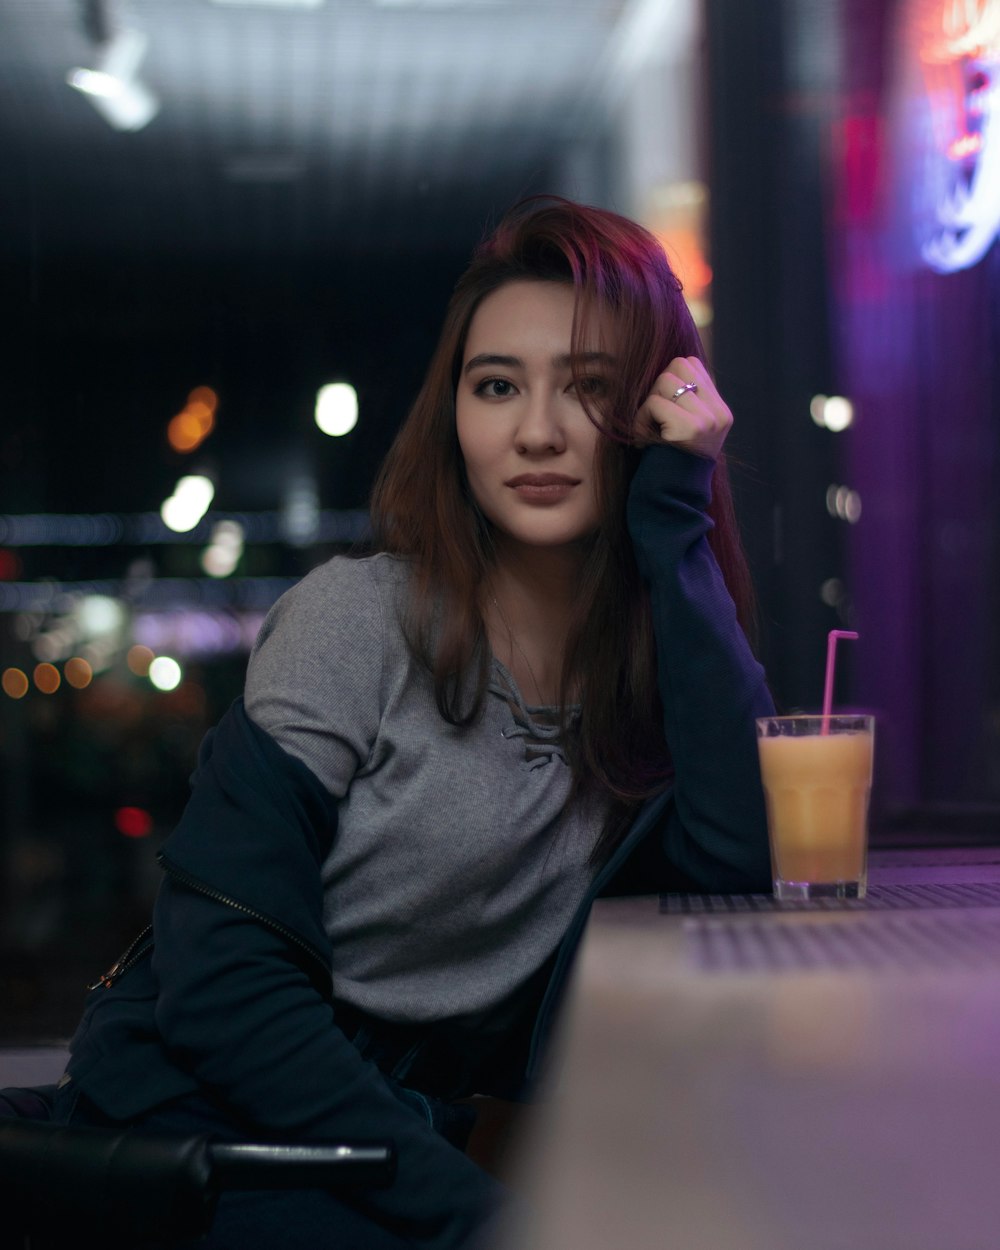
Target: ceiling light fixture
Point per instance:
(112, 85)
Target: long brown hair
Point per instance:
(422, 507)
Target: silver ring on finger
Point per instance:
(683, 390)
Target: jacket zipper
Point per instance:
(136, 949)
(192, 883)
(144, 941)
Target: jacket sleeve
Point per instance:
(242, 1004)
(713, 833)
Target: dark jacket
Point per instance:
(234, 997)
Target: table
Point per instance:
(734, 1076)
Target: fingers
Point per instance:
(685, 410)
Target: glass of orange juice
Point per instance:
(817, 775)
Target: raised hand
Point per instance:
(685, 410)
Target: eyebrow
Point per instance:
(564, 361)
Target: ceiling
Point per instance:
(298, 208)
(367, 122)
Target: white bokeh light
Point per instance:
(221, 556)
(831, 412)
(838, 413)
(99, 614)
(188, 504)
(165, 673)
(336, 408)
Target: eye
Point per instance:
(495, 388)
(592, 385)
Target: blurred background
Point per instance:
(228, 231)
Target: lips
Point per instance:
(542, 488)
(542, 479)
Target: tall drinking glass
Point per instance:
(817, 775)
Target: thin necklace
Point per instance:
(520, 650)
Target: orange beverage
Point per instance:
(817, 787)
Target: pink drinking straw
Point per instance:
(831, 657)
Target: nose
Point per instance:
(540, 428)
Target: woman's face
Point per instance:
(526, 439)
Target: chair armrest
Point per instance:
(153, 1187)
(249, 1165)
(55, 1178)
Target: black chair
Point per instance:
(61, 1185)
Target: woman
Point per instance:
(536, 690)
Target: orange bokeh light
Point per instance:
(78, 673)
(184, 432)
(139, 659)
(202, 414)
(687, 259)
(204, 395)
(15, 683)
(47, 678)
(190, 427)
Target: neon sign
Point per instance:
(957, 171)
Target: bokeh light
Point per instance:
(133, 822)
(184, 432)
(165, 673)
(139, 659)
(47, 678)
(190, 427)
(832, 591)
(205, 396)
(223, 554)
(336, 408)
(844, 503)
(677, 213)
(78, 673)
(100, 614)
(188, 504)
(838, 413)
(49, 647)
(831, 412)
(15, 683)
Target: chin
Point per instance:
(571, 539)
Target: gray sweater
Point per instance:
(457, 864)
